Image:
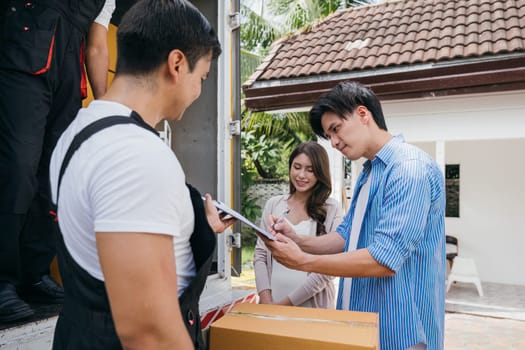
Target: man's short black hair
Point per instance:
(151, 29)
(342, 100)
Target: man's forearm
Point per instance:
(97, 59)
(357, 263)
(141, 282)
(97, 65)
(330, 243)
(153, 341)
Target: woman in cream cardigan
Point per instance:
(310, 211)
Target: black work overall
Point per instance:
(85, 321)
(40, 74)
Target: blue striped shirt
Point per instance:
(404, 230)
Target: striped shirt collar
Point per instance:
(386, 152)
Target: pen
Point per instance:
(281, 218)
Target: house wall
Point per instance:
(472, 117)
(485, 134)
(491, 227)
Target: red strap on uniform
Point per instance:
(49, 57)
(83, 78)
(54, 215)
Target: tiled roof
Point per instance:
(398, 33)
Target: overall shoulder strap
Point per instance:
(92, 129)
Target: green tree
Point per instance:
(258, 32)
(300, 14)
(268, 138)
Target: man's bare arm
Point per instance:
(329, 243)
(97, 59)
(358, 263)
(141, 282)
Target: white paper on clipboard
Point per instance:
(221, 207)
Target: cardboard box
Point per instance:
(258, 327)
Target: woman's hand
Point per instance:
(217, 221)
(265, 297)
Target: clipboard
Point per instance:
(221, 207)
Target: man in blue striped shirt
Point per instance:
(390, 248)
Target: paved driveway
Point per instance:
(470, 332)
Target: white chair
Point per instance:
(464, 270)
(452, 248)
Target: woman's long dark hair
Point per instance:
(315, 204)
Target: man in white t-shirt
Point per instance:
(124, 210)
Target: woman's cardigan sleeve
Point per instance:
(262, 258)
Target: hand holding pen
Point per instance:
(284, 227)
(285, 234)
(281, 218)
